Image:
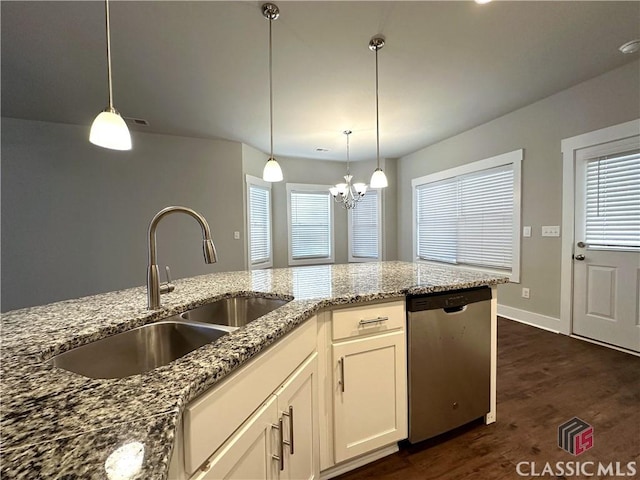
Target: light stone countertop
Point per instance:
(57, 424)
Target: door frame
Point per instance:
(569, 148)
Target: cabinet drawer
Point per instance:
(366, 320)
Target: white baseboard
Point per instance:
(530, 318)
(358, 462)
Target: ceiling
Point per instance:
(201, 68)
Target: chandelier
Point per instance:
(346, 194)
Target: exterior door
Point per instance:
(606, 260)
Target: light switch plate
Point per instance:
(526, 231)
(236, 235)
(550, 231)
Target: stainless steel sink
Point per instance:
(138, 350)
(234, 312)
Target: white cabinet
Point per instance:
(364, 378)
(370, 399)
(279, 441)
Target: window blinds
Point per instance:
(259, 224)
(365, 227)
(310, 225)
(467, 219)
(612, 219)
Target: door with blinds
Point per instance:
(606, 264)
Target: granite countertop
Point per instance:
(57, 424)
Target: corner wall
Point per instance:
(75, 216)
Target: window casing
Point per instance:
(259, 221)
(470, 215)
(310, 224)
(365, 228)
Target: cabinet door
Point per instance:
(370, 394)
(248, 454)
(298, 405)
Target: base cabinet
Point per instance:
(370, 394)
(279, 441)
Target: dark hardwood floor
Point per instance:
(544, 380)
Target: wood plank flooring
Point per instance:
(544, 380)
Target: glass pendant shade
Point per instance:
(378, 179)
(109, 130)
(272, 171)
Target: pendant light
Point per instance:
(378, 179)
(109, 130)
(272, 171)
(345, 194)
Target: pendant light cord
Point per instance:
(348, 172)
(377, 114)
(270, 89)
(106, 6)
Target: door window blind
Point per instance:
(259, 225)
(311, 228)
(468, 219)
(364, 228)
(612, 217)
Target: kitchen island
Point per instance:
(57, 424)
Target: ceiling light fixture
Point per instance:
(482, 2)
(345, 194)
(630, 47)
(272, 171)
(109, 129)
(378, 179)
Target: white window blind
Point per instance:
(612, 204)
(259, 223)
(468, 219)
(310, 226)
(364, 228)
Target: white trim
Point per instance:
(533, 319)
(514, 158)
(569, 147)
(313, 188)
(251, 180)
(350, 233)
(358, 462)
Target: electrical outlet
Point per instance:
(525, 292)
(236, 235)
(550, 231)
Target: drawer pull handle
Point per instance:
(362, 323)
(341, 381)
(280, 456)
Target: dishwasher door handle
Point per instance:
(454, 310)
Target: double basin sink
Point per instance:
(150, 346)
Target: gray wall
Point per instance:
(538, 128)
(75, 216)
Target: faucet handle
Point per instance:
(167, 287)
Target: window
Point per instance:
(612, 203)
(365, 229)
(470, 215)
(310, 222)
(260, 251)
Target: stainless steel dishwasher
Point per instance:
(449, 360)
